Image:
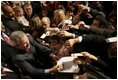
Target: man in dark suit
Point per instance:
(32, 59)
(98, 46)
(8, 54)
(8, 18)
(28, 10)
(81, 28)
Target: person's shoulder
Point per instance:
(30, 37)
(20, 57)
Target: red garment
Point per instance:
(7, 39)
(65, 27)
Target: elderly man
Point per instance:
(33, 59)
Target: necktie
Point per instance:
(7, 39)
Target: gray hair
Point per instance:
(16, 37)
(45, 19)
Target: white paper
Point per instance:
(76, 54)
(43, 36)
(69, 66)
(109, 40)
(7, 70)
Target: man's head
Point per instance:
(44, 13)
(15, 4)
(18, 11)
(35, 23)
(95, 23)
(7, 10)
(45, 21)
(20, 40)
(28, 9)
(99, 22)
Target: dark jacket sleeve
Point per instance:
(43, 52)
(11, 24)
(102, 31)
(100, 63)
(27, 68)
(91, 38)
(98, 31)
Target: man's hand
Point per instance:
(69, 43)
(66, 34)
(82, 24)
(56, 68)
(60, 67)
(87, 57)
(56, 58)
(90, 56)
(74, 26)
(57, 30)
(79, 61)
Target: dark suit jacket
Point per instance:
(6, 51)
(94, 44)
(7, 57)
(35, 62)
(11, 24)
(29, 17)
(99, 31)
(97, 46)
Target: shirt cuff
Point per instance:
(47, 71)
(80, 38)
(73, 35)
(88, 8)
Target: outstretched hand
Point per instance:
(87, 57)
(69, 43)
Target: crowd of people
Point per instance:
(35, 35)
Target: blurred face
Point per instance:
(20, 13)
(24, 43)
(16, 3)
(44, 14)
(28, 10)
(95, 23)
(71, 8)
(10, 12)
(55, 45)
(46, 23)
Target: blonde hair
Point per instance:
(35, 22)
(61, 16)
(61, 13)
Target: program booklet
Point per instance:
(69, 66)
